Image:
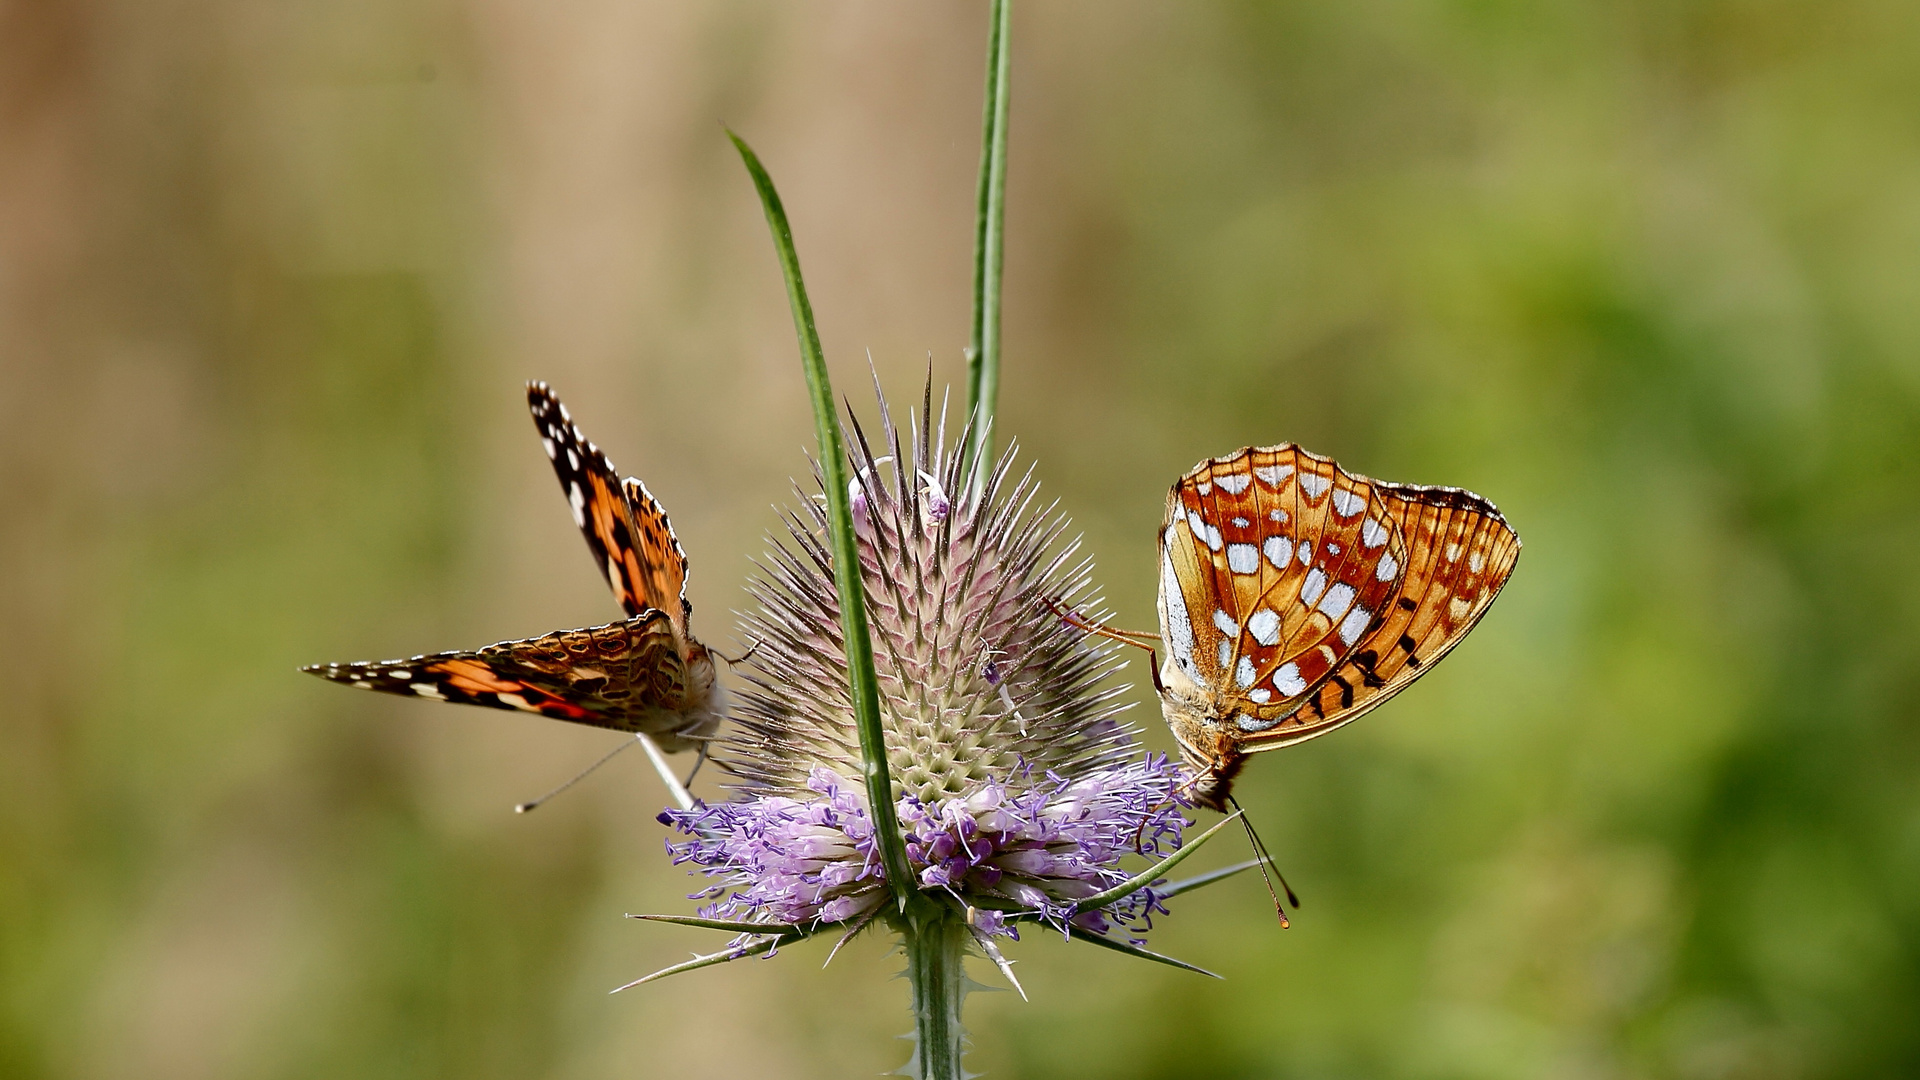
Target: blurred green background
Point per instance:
(1646, 274)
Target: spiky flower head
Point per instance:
(1018, 788)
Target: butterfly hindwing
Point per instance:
(1461, 552)
(632, 542)
(616, 676)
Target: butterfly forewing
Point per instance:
(1282, 564)
(616, 676)
(631, 540)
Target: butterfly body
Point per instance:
(647, 674)
(1296, 596)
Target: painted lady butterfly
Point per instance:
(646, 674)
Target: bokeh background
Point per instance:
(271, 276)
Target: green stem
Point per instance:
(983, 354)
(936, 958)
(863, 685)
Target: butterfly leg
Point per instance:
(1135, 638)
(699, 760)
(732, 662)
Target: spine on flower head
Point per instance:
(1019, 792)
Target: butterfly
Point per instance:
(646, 674)
(1295, 597)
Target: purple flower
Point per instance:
(1034, 845)
(1019, 792)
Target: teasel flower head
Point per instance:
(1019, 791)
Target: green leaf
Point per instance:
(1203, 880)
(712, 959)
(983, 355)
(863, 684)
(1144, 954)
(738, 926)
(1146, 877)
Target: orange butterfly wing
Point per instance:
(1461, 553)
(631, 540)
(627, 676)
(1299, 596)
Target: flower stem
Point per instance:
(863, 685)
(983, 354)
(936, 966)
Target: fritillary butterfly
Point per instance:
(646, 674)
(1296, 596)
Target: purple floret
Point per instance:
(1037, 844)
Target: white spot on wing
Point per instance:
(1204, 487)
(1338, 599)
(1475, 562)
(1226, 624)
(1315, 584)
(1264, 625)
(1348, 503)
(1453, 552)
(1273, 475)
(1243, 558)
(1458, 607)
(1372, 533)
(516, 701)
(1288, 681)
(552, 450)
(1279, 549)
(1233, 483)
(1355, 624)
(1305, 553)
(1259, 695)
(578, 500)
(1243, 673)
(1226, 654)
(573, 460)
(427, 689)
(1387, 568)
(1203, 532)
(1277, 514)
(1241, 523)
(1314, 484)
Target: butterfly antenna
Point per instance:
(521, 808)
(1266, 858)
